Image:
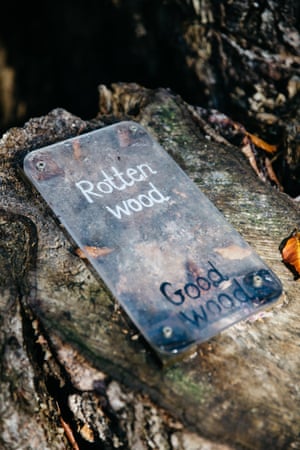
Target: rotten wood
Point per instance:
(65, 342)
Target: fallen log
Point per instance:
(71, 359)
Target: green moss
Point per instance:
(169, 113)
(186, 386)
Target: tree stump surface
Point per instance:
(72, 365)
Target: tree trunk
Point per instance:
(73, 369)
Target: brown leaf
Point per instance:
(94, 252)
(290, 252)
(272, 174)
(68, 431)
(258, 142)
(87, 433)
(248, 152)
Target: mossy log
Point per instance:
(73, 369)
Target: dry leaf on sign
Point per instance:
(94, 252)
(233, 252)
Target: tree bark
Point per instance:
(73, 368)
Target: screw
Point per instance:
(133, 128)
(257, 281)
(167, 332)
(40, 165)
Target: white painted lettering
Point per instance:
(137, 204)
(157, 196)
(140, 168)
(119, 181)
(86, 187)
(108, 179)
(145, 201)
(131, 174)
(104, 187)
(121, 178)
(134, 204)
(118, 211)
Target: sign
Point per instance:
(177, 267)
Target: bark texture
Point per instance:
(73, 368)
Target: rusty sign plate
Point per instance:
(177, 267)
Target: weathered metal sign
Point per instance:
(178, 268)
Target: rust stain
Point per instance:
(76, 149)
(124, 137)
(45, 168)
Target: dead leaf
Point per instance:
(248, 152)
(87, 433)
(233, 252)
(258, 142)
(272, 174)
(94, 252)
(68, 431)
(290, 252)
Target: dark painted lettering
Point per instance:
(200, 310)
(203, 283)
(199, 320)
(225, 301)
(177, 301)
(240, 294)
(213, 307)
(192, 290)
(215, 276)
